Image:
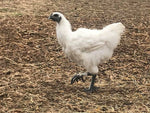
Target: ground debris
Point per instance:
(35, 75)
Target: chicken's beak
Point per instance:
(50, 17)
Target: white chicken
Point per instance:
(87, 47)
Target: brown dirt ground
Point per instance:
(35, 75)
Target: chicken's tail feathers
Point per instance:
(116, 27)
(121, 28)
(113, 34)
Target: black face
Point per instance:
(55, 17)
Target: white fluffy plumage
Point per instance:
(88, 47)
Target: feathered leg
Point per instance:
(78, 77)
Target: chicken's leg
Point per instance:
(78, 77)
(92, 88)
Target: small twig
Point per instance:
(124, 66)
(19, 64)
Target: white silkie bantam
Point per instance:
(87, 47)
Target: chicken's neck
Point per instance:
(63, 30)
